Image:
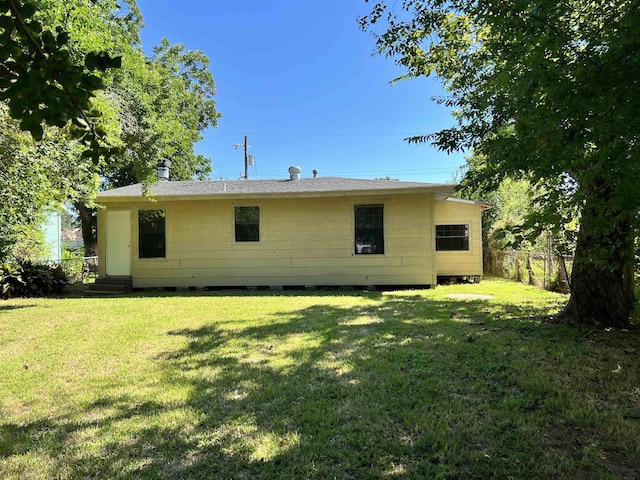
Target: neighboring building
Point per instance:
(296, 232)
(72, 237)
(51, 230)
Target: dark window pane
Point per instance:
(369, 234)
(452, 237)
(151, 234)
(247, 224)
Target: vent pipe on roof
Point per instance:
(163, 170)
(315, 173)
(294, 173)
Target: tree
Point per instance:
(165, 103)
(36, 176)
(519, 216)
(145, 111)
(48, 53)
(43, 83)
(546, 89)
(518, 220)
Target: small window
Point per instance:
(247, 221)
(369, 234)
(151, 234)
(452, 237)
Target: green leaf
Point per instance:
(28, 10)
(7, 22)
(62, 39)
(48, 40)
(115, 62)
(91, 61)
(34, 26)
(94, 82)
(36, 131)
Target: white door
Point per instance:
(119, 242)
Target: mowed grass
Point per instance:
(324, 385)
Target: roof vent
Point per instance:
(294, 173)
(163, 170)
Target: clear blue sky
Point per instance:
(298, 77)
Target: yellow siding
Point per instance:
(303, 241)
(460, 263)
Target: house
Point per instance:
(72, 237)
(50, 228)
(320, 231)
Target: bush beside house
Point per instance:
(27, 279)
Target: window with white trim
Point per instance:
(247, 224)
(369, 229)
(152, 241)
(452, 237)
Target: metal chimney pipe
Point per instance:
(163, 170)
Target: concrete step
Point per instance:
(111, 285)
(97, 287)
(125, 281)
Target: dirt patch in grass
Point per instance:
(469, 296)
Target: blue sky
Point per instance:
(298, 77)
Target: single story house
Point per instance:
(320, 231)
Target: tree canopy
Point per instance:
(165, 102)
(41, 80)
(545, 89)
(130, 118)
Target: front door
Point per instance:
(118, 249)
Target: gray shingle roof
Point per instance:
(255, 188)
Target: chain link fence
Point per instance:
(549, 271)
(80, 270)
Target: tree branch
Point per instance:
(35, 45)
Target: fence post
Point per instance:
(550, 257)
(563, 276)
(532, 275)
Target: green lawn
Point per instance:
(397, 385)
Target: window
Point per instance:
(369, 233)
(247, 220)
(452, 237)
(151, 234)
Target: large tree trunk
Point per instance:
(88, 224)
(599, 283)
(629, 277)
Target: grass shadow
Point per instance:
(399, 386)
(383, 392)
(9, 308)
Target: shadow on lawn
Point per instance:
(8, 308)
(400, 388)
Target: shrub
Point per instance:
(28, 279)
(73, 266)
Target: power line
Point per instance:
(368, 174)
(327, 134)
